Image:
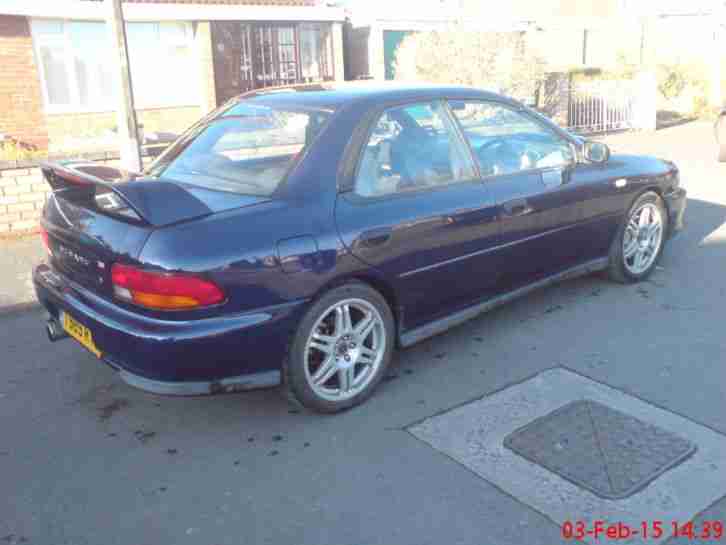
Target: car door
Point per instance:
(526, 167)
(416, 210)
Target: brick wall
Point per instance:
(23, 192)
(22, 195)
(21, 103)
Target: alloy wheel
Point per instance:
(345, 349)
(642, 238)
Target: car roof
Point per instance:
(334, 95)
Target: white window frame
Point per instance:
(75, 106)
(65, 40)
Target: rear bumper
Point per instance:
(192, 357)
(676, 204)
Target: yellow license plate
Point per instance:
(80, 333)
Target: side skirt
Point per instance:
(443, 324)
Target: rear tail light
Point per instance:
(44, 238)
(163, 291)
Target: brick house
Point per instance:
(187, 56)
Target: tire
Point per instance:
(623, 268)
(327, 345)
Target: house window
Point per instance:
(288, 58)
(73, 68)
(76, 74)
(316, 53)
(162, 64)
(274, 55)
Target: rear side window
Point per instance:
(410, 148)
(249, 150)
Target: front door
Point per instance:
(249, 56)
(232, 58)
(417, 212)
(527, 166)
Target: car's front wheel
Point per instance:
(640, 240)
(341, 349)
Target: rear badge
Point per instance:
(50, 277)
(73, 256)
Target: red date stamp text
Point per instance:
(600, 530)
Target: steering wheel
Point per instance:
(496, 141)
(498, 156)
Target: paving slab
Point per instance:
(17, 259)
(474, 435)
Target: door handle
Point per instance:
(375, 237)
(517, 207)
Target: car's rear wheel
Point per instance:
(639, 242)
(341, 349)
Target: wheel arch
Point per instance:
(651, 186)
(376, 282)
(655, 188)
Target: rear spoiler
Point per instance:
(124, 194)
(98, 180)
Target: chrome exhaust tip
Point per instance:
(55, 331)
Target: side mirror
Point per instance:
(596, 152)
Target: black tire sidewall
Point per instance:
(295, 378)
(617, 260)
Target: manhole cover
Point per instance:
(598, 448)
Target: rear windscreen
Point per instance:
(248, 150)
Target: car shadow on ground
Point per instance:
(702, 219)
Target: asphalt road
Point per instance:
(85, 459)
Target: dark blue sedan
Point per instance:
(301, 235)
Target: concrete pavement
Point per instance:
(84, 459)
(17, 258)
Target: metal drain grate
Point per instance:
(608, 452)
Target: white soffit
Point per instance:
(85, 10)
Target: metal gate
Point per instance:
(602, 106)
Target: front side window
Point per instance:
(506, 141)
(248, 150)
(410, 148)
